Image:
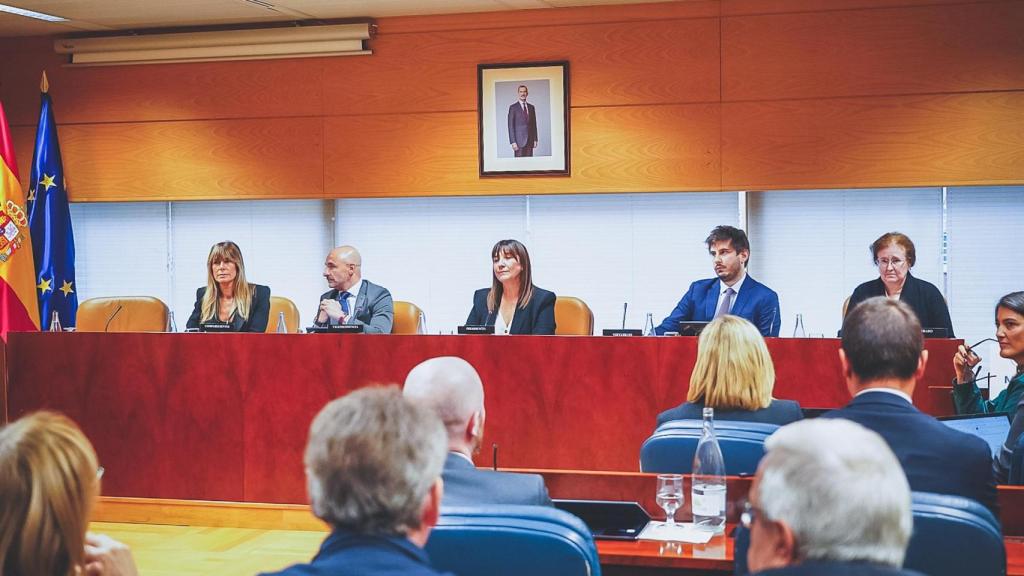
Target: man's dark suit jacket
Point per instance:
(935, 457)
(259, 311)
(522, 131)
(374, 308)
(923, 297)
(346, 553)
(467, 485)
(827, 568)
(780, 412)
(755, 302)
(538, 317)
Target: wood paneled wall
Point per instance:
(676, 96)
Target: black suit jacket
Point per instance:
(467, 485)
(780, 412)
(923, 297)
(259, 311)
(829, 568)
(538, 317)
(935, 457)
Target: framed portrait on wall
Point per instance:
(523, 115)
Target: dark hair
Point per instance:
(882, 339)
(1012, 301)
(898, 238)
(737, 237)
(515, 249)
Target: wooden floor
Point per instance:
(184, 550)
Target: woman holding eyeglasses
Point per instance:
(894, 254)
(1010, 336)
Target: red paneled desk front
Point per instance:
(225, 416)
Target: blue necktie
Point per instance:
(343, 298)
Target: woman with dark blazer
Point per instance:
(227, 296)
(513, 305)
(734, 375)
(894, 254)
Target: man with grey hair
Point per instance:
(452, 389)
(813, 473)
(351, 299)
(373, 466)
(883, 357)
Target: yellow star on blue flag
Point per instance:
(66, 288)
(44, 285)
(46, 182)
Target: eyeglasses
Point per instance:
(884, 263)
(749, 514)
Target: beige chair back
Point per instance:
(280, 304)
(573, 317)
(407, 318)
(122, 314)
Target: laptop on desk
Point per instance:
(607, 519)
(992, 428)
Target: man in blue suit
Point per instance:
(522, 125)
(731, 292)
(451, 387)
(882, 358)
(373, 465)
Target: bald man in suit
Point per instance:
(451, 387)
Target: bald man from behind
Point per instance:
(451, 387)
(351, 299)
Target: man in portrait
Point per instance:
(522, 125)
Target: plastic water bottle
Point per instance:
(798, 329)
(282, 326)
(649, 325)
(707, 498)
(421, 324)
(171, 325)
(55, 322)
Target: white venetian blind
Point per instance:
(812, 246)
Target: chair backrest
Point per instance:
(407, 318)
(512, 541)
(954, 535)
(280, 304)
(672, 446)
(846, 306)
(573, 317)
(122, 314)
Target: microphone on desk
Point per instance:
(624, 306)
(494, 450)
(111, 317)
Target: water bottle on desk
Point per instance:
(282, 326)
(707, 498)
(649, 325)
(55, 322)
(798, 329)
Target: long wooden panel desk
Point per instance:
(225, 416)
(616, 557)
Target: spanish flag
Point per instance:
(19, 308)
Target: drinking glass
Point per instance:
(670, 496)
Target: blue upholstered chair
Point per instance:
(1017, 463)
(672, 446)
(952, 536)
(512, 541)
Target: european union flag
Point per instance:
(53, 242)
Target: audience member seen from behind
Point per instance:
(49, 482)
(228, 297)
(513, 305)
(882, 358)
(352, 299)
(731, 291)
(1010, 336)
(452, 389)
(829, 497)
(895, 255)
(734, 375)
(373, 468)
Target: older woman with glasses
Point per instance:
(894, 254)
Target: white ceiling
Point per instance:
(112, 15)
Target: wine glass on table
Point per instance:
(670, 496)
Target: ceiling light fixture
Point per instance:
(31, 14)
